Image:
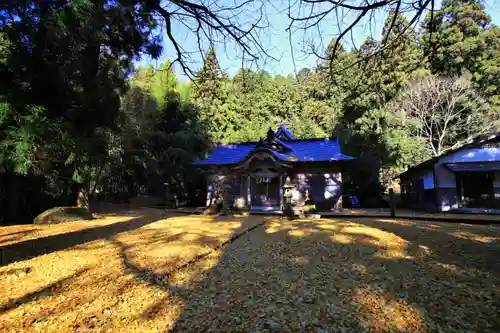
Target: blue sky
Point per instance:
(278, 44)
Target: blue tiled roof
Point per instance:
(316, 150)
(228, 154)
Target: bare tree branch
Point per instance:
(311, 13)
(242, 22)
(213, 23)
(443, 111)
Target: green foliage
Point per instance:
(163, 81)
(70, 73)
(462, 40)
(63, 67)
(68, 113)
(160, 135)
(352, 96)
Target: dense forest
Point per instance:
(78, 122)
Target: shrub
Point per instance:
(309, 209)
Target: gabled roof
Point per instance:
(469, 143)
(284, 133)
(290, 150)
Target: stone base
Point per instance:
(310, 216)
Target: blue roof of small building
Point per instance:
(309, 150)
(469, 143)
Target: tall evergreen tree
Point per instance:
(209, 95)
(403, 62)
(164, 81)
(454, 38)
(462, 40)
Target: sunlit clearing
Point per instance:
(342, 239)
(408, 252)
(389, 245)
(189, 276)
(145, 274)
(330, 226)
(384, 312)
(373, 235)
(297, 233)
(276, 226)
(393, 254)
(475, 237)
(131, 278)
(400, 222)
(15, 234)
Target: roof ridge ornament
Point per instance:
(270, 135)
(283, 133)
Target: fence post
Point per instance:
(391, 202)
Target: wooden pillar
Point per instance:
(391, 202)
(281, 191)
(242, 185)
(210, 190)
(460, 189)
(249, 193)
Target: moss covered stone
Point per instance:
(62, 214)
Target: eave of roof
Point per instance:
(479, 139)
(297, 153)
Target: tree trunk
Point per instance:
(83, 199)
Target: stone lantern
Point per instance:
(288, 194)
(224, 193)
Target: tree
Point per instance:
(403, 62)
(242, 23)
(164, 81)
(460, 39)
(178, 139)
(455, 36)
(209, 94)
(160, 135)
(63, 70)
(364, 123)
(309, 16)
(443, 112)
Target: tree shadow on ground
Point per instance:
(465, 246)
(45, 291)
(122, 265)
(44, 245)
(17, 235)
(203, 274)
(303, 276)
(158, 275)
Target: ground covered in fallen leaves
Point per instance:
(150, 272)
